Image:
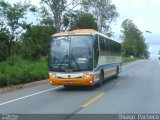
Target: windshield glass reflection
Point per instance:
(71, 53)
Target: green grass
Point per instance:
(128, 59)
(16, 71)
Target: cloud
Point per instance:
(154, 49)
(139, 22)
(35, 2)
(139, 3)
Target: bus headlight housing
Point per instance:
(88, 74)
(52, 75)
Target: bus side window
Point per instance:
(96, 51)
(106, 45)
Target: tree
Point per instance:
(57, 7)
(146, 52)
(4, 42)
(70, 19)
(86, 21)
(14, 17)
(104, 12)
(34, 41)
(79, 20)
(46, 16)
(133, 40)
(86, 5)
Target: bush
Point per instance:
(16, 71)
(129, 59)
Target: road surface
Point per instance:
(137, 90)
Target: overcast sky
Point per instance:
(144, 13)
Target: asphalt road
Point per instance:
(137, 90)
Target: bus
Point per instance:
(83, 57)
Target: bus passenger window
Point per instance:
(96, 51)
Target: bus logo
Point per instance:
(69, 76)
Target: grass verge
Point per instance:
(128, 59)
(16, 71)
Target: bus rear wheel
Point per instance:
(117, 72)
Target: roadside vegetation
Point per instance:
(133, 41)
(129, 59)
(16, 71)
(23, 45)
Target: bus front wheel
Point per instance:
(67, 86)
(101, 78)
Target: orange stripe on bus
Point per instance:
(106, 73)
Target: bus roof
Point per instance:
(74, 32)
(82, 32)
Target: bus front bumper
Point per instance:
(87, 81)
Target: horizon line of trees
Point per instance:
(18, 37)
(133, 40)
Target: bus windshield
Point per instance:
(71, 53)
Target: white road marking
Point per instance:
(29, 95)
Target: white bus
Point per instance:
(83, 57)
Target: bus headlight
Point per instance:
(88, 74)
(53, 75)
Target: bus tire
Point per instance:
(101, 78)
(117, 72)
(67, 86)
